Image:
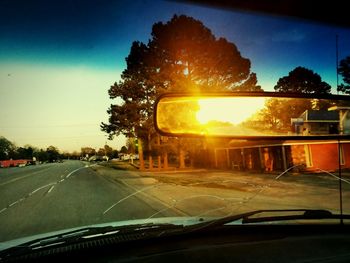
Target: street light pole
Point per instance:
(336, 58)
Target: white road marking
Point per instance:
(25, 176)
(13, 203)
(135, 193)
(76, 170)
(50, 189)
(38, 189)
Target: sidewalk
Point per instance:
(155, 169)
(216, 193)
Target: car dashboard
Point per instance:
(250, 243)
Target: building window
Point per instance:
(308, 155)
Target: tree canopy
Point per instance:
(182, 55)
(6, 148)
(302, 80)
(188, 57)
(344, 71)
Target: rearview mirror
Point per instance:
(253, 115)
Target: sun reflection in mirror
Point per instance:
(232, 110)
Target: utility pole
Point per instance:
(336, 58)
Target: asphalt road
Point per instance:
(48, 197)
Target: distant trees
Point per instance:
(105, 151)
(53, 153)
(87, 151)
(344, 71)
(26, 152)
(41, 155)
(7, 148)
(123, 150)
(277, 113)
(302, 80)
(182, 55)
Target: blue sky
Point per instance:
(59, 58)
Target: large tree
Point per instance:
(344, 71)
(188, 57)
(302, 80)
(182, 55)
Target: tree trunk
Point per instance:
(159, 157)
(150, 159)
(182, 158)
(140, 150)
(192, 162)
(165, 165)
(150, 162)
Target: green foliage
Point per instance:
(115, 154)
(188, 57)
(24, 152)
(277, 113)
(7, 148)
(123, 150)
(130, 144)
(344, 71)
(41, 155)
(9, 151)
(108, 151)
(52, 153)
(182, 55)
(302, 80)
(178, 115)
(87, 151)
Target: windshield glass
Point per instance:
(78, 81)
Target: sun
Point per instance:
(234, 110)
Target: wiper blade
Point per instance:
(143, 231)
(246, 218)
(308, 214)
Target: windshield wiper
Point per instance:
(308, 214)
(246, 218)
(138, 232)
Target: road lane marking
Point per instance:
(50, 189)
(25, 176)
(130, 195)
(42, 187)
(27, 196)
(38, 189)
(13, 203)
(77, 170)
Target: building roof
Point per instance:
(320, 115)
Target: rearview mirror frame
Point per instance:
(248, 94)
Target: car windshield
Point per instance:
(78, 83)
